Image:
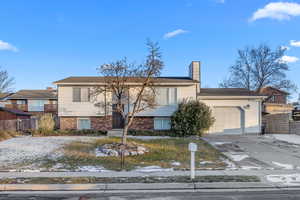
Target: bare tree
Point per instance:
(6, 82)
(258, 67)
(130, 87)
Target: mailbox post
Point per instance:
(192, 149)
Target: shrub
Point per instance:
(46, 123)
(191, 118)
(41, 132)
(151, 133)
(4, 135)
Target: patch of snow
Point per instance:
(237, 157)
(91, 169)
(250, 168)
(153, 169)
(284, 166)
(99, 153)
(206, 162)
(290, 138)
(220, 143)
(286, 179)
(175, 163)
(30, 170)
(230, 165)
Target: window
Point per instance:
(20, 102)
(36, 105)
(81, 94)
(166, 96)
(162, 123)
(83, 124)
(172, 95)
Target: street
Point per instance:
(167, 195)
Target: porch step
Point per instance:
(115, 133)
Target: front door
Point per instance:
(117, 119)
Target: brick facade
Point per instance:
(68, 123)
(142, 123)
(101, 123)
(105, 123)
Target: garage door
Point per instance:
(229, 120)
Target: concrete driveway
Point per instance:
(257, 152)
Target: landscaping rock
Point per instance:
(116, 149)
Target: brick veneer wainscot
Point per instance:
(101, 123)
(142, 123)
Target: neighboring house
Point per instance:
(11, 114)
(276, 101)
(3, 98)
(35, 102)
(237, 111)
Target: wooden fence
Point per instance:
(19, 124)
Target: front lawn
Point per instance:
(165, 153)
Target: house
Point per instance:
(35, 102)
(3, 98)
(11, 114)
(237, 111)
(276, 101)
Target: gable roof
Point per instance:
(34, 94)
(15, 111)
(100, 79)
(4, 95)
(262, 90)
(227, 92)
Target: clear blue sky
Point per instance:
(44, 41)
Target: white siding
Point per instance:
(251, 110)
(66, 106)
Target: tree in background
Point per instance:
(258, 67)
(6, 82)
(130, 87)
(191, 118)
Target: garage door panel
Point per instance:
(228, 120)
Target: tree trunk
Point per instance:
(124, 137)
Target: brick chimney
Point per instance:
(194, 73)
(49, 88)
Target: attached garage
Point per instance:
(229, 120)
(236, 111)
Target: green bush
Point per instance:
(191, 118)
(87, 132)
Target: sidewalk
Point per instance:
(259, 173)
(264, 184)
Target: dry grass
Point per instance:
(162, 153)
(4, 135)
(108, 180)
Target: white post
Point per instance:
(192, 149)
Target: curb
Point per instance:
(137, 186)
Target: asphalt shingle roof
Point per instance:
(34, 94)
(14, 111)
(99, 79)
(227, 92)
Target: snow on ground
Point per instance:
(175, 163)
(26, 148)
(153, 169)
(286, 179)
(236, 156)
(290, 138)
(284, 166)
(92, 169)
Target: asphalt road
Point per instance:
(186, 195)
